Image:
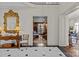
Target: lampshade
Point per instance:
(17, 28)
(0, 29)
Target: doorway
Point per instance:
(40, 31)
(73, 32)
(73, 28)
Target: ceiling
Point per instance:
(74, 14)
(33, 3)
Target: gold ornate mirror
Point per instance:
(11, 18)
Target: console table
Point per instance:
(10, 38)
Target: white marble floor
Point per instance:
(32, 52)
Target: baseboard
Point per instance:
(52, 45)
(48, 46)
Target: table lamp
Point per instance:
(17, 29)
(0, 30)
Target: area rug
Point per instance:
(32, 52)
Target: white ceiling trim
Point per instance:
(45, 3)
(21, 4)
(71, 9)
(31, 5)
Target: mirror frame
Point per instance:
(11, 13)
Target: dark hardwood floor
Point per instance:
(70, 51)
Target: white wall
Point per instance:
(26, 20)
(63, 31)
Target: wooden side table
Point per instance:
(10, 38)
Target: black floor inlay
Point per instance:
(60, 54)
(26, 48)
(26, 55)
(9, 55)
(7, 50)
(49, 49)
(36, 50)
(21, 50)
(43, 54)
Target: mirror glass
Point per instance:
(11, 23)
